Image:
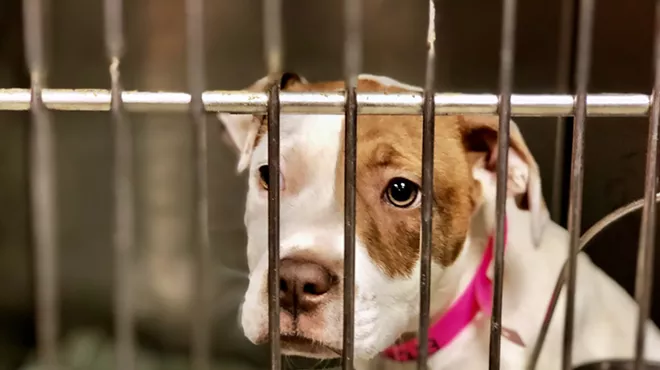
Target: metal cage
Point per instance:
(39, 100)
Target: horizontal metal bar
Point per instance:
(330, 102)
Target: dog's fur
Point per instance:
(387, 247)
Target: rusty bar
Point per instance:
(42, 187)
(124, 235)
(352, 66)
(507, 56)
(646, 253)
(428, 140)
(582, 72)
(196, 75)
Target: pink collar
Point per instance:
(477, 297)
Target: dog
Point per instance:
(387, 255)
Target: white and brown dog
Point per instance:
(388, 243)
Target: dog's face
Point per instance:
(388, 193)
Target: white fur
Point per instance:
(311, 221)
(384, 307)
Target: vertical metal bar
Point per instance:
(274, 225)
(42, 187)
(507, 56)
(564, 58)
(352, 66)
(124, 235)
(428, 139)
(582, 72)
(349, 226)
(273, 43)
(196, 75)
(646, 253)
(274, 58)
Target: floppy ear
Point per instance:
(480, 135)
(244, 129)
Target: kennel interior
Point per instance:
(394, 44)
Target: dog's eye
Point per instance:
(264, 176)
(401, 192)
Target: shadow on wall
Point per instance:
(394, 45)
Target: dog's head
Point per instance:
(388, 215)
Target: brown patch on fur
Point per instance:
(389, 147)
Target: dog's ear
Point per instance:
(242, 129)
(480, 135)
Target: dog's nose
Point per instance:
(303, 285)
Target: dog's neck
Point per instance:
(464, 290)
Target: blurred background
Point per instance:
(394, 42)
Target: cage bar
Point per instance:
(582, 72)
(507, 51)
(196, 76)
(42, 186)
(274, 226)
(352, 66)
(274, 58)
(522, 105)
(562, 84)
(124, 233)
(428, 142)
(272, 103)
(646, 251)
(273, 42)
